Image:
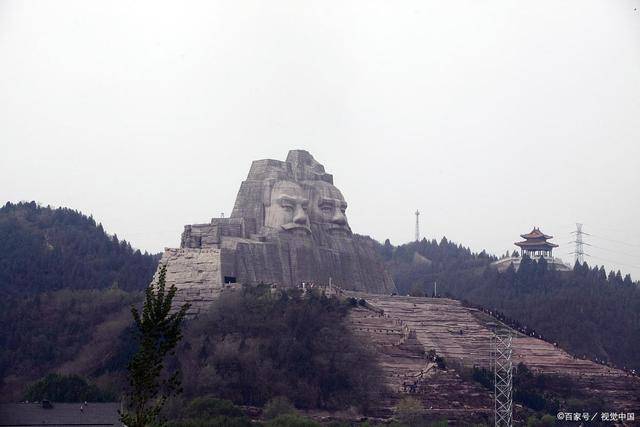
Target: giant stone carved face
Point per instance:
(328, 207)
(287, 207)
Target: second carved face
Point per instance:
(287, 209)
(328, 207)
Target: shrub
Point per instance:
(278, 406)
(66, 388)
(209, 412)
(205, 407)
(291, 420)
(410, 411)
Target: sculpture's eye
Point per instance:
(327, 210)
(288, 208)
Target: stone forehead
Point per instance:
(290, 187)
(323, 189)
(272, 187)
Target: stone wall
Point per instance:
(196, 274)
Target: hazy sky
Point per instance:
(489, 117)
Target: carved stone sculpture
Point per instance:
(288, 226)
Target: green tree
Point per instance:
(387, 250)
(409, 411)
(158, 333)
(417, 290)
(66, 388)
(277, 406)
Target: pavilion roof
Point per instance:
(536, 234)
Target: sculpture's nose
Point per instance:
(339, 218)
(300, 216)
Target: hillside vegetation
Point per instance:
(255, 345)
(252, 346)
(83, 332)
(587, 311)
(45, 249)
(66, 288)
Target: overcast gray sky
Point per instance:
(489, 117)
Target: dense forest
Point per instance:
(85, 332)
(46, 249)
(66, 287)
(254, 345)
(587, 311)
(251, 347)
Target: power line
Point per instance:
(615, 262)
(580, 243)
(599, 236)
(615, 241)
(608, 260)
(604, 249)
(611, 250)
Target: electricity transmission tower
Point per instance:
(503, 376)
(417, 226)
(579, 251)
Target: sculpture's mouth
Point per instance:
(292, 226)
(337, 229)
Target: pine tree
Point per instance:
(387, 250)
(158, 333)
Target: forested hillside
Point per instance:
(252, 346)
(587, 311)
(84, 332)
(46, 249)
(66, 287)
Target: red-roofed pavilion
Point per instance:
(535, 244)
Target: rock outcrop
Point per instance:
(288, 226)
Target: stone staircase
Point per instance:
(462, 336)
(407, 371)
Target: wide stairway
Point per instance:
(404, 326)
(407, 371)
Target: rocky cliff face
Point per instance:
(288, 226)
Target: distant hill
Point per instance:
(44, 249)
(65, 291)
(587, 311)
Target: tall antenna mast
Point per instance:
(417, 226)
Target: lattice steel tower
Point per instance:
(417, 226)
(579, 252)
(501, 351)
